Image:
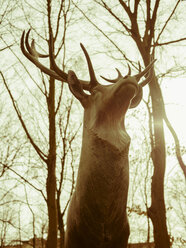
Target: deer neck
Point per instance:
(103, 164)
(109, 130)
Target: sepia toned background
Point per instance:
(36, 143)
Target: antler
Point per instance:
(93, 80)
(118, 77)
(114, 80)
(145, 71)
(137, 76)
(31, 53)
(129, 71)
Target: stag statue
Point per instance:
(97, 212)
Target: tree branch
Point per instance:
(147, 38)
(101, 31)
(168, 42)
(136, 7)
(116, 17)
(177, 144)
(166, 21)
(7, 47)
(135, 34)
(126, 8)
(26, 181)
(154, 15)
(37, 149)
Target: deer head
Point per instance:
(104, 103)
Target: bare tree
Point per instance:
(47, 150)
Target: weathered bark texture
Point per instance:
(51, 178)
(61, 227)
(157, 211)
(51, 162)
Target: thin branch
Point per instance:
(60, 98)
(106, 36)
(148, 21)
(150, 122)
(136, 7)
(33, 218)
(7, 157)
(167, 21)
(58, 20)
(116, 17)
(135, 34)
(168, 42)
(177, 144)
(26, 181)
(72, 185)
(22, 63)
(154, 15)
(37, 149)
(7, 47)
(10, 223)
(126, 8)
(64, 141)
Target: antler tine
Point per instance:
(109, 80)
(52, 60)
(40, 55)
(148, 79)
(31, 49)
(93, 80)
(141, 74)
(116, 79)
(27, 43)
(129, 71)
(139, 66)
(34, 59)
(32, 55)
(119, 73)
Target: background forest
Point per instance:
(41, 122)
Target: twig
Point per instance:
(168, 42)
(167, 21)
(177, 144)
(37, 149)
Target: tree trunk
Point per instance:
(157, 211)
(51, 179)
(60, 223)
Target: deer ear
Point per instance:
(137, 99)
(76, 88)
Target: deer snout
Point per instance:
(127, 88)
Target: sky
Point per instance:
(175, 103)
